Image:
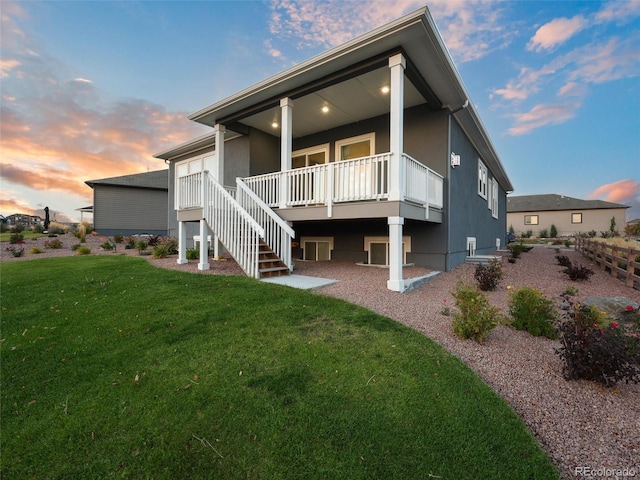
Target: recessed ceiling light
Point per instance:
(325, 109)
(385, 89)
(275, 125)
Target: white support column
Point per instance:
(397, 65)
(395, 282)
(286, 142)
(203, 264)
(182, 243)
(219, 131)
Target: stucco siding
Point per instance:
(469, 213)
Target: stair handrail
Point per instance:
(281, 244)
(241, 238)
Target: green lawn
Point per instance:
(112, 367)
(27, 234)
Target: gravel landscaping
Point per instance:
(580, 424)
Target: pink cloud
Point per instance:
(556, 32)
(619, 11)
(541, 115)
(623, 191)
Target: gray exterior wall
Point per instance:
(128, 211)
(468, 213)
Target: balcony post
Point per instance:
(182, 243)
(395, 282)
(397, 65)
(219, 130)
(286, 142)
(203, 264)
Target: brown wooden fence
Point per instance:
(621, 262)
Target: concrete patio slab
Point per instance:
(300, 281)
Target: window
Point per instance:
(576, 218)
(378, 249)
(531, 219)
(317, 249)
(482, 179)
(493, 185)
(310, 156)
(355, 147)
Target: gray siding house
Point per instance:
(131, 204)
(569, 215)
(370, 152)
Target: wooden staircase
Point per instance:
(269, 264)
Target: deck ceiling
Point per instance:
(347, 102)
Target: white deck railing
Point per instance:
(277, 233)
(234, 227)
(189, 192)
(422, 185)
(364, 178)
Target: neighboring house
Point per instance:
(131, 204)
(27, 221)
(370, 152)
(569, 215)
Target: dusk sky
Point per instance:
(92, 89)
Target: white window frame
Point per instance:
(573, 216)
(531, 222)
(324, 148)
(305, 240)
(482, 179)
(493, 185)
(406, 247)
(357, 139)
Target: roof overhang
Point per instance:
(431, 72)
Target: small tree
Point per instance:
(553, 232)
(612, 226)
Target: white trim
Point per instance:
(325, 148)
(494, 198)
(357, 139)
(406, 244)
(305, 240)
(471, 246)
(482, 179)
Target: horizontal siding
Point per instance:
(116, 208)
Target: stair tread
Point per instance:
(272, 269)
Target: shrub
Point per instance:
(532, 312)
(54, 244)
(75, 247)
(153, 240)
(108, 245)
(140, 245)
(129, 243)
(83, 250)
(488, 275)
(476, 317)
(578, 273)
(171, 243)
(193, 254)
(590, 351)
(570, 291)
(553, 231)
(15, 251)
(16, 237)
(118, 238)
(563, 260)
(57, 228)
(160, 251)
(544, 233)
(35, 250)
(81, 231)
(567, 243)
